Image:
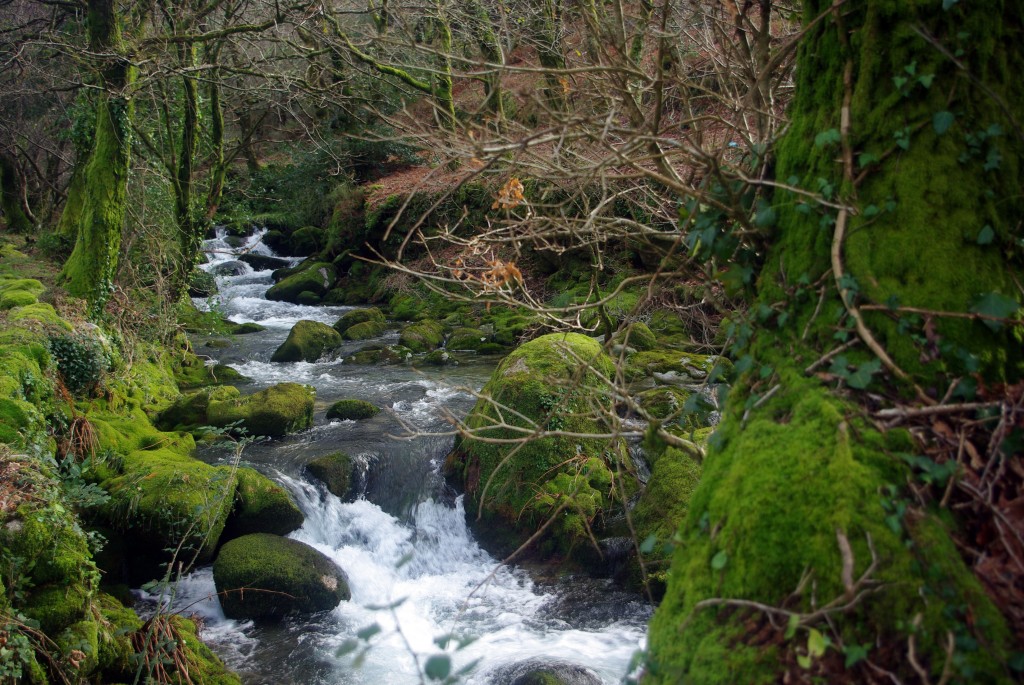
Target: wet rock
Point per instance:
(263, 576)
(261, 262)
(422, 336)
(317, 278)
(335, 471)
(358, 316)
(261, 506)
(307, 341)
(352, 410)
(545, 672)
(232, 268)
(280, 409)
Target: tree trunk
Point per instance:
(100, 197)
(904, 115)
(11, 193)
(190, 230)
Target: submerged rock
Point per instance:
(265, 576)
(545, 672)
(280, 409)
(307, 341)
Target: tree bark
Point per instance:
(100, 197)
(905, 116)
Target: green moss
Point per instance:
(82, 637)
(19, 292)
(261, 506)
(15, 416)
(422, 336)
(164, 498)
(638, 336)
(548, 381)
(205, 666)
(280, 576)
(317, 277)
(306, 241)
(467, 339)
(280, 409)
(668, 404)
(334, 471)
(357, 316)
(353, 410)
(57, 605)
(681, 365)
(437, 358)
(307, 341)
(192, 372)
(775, 492)
(365, 330)
(246, 328)
(380, 354)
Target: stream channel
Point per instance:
(413, 566)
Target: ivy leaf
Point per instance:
(866, 158)
(926, 80)
(947, 4)
(941, 121)
(986, 235)
(996, 305)
(855, 654)
(816, 643)
(438, 667)
(826, 138)
(719, 561)
(368, 632)
(347, 647)
(647, 546)
(861, 378)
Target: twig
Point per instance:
(937, 410)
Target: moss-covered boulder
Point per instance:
(189, 411)
(422, 336)
(307, 341)
(364, 330)
(264, 576)
(467, 339)
(380, 354)
(352, 410)
(437, 358)
(335, 471)
(553, 382)
(637, 336)
(163, 499)
(672, 366)
(18, 292)
(306, 241)
(316, 278)
(280, 409)
(357, 316)
(276, 240)
(246, 328)
(261, 506)
(261, 262)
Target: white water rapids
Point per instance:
(414, 569)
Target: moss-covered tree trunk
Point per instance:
(102, 191)
(803, 555)
(190, 228)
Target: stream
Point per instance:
(415, 572)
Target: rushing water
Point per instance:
(414, 569)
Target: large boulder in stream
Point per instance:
(352, 410)
(422, 336)
(317, 278)
(264, 576)
(260, 262)
(358, 316)
(308, 341)
(280, 409)
(552, 383)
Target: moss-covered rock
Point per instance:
(307, 341)
(671, 366)
(467, 339)
(551, 381)
(264, 576)
(438, 358)
(18, 292)
(261, 262)
(637, 336)
(422, 336)
(352, 410)
(316, 278)
(335, 471)
(306, 241)
(365, 330)
(280, 409)
(357, 316)
(380, 354)
(246, 328)
(261, 506)
(189, 411)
